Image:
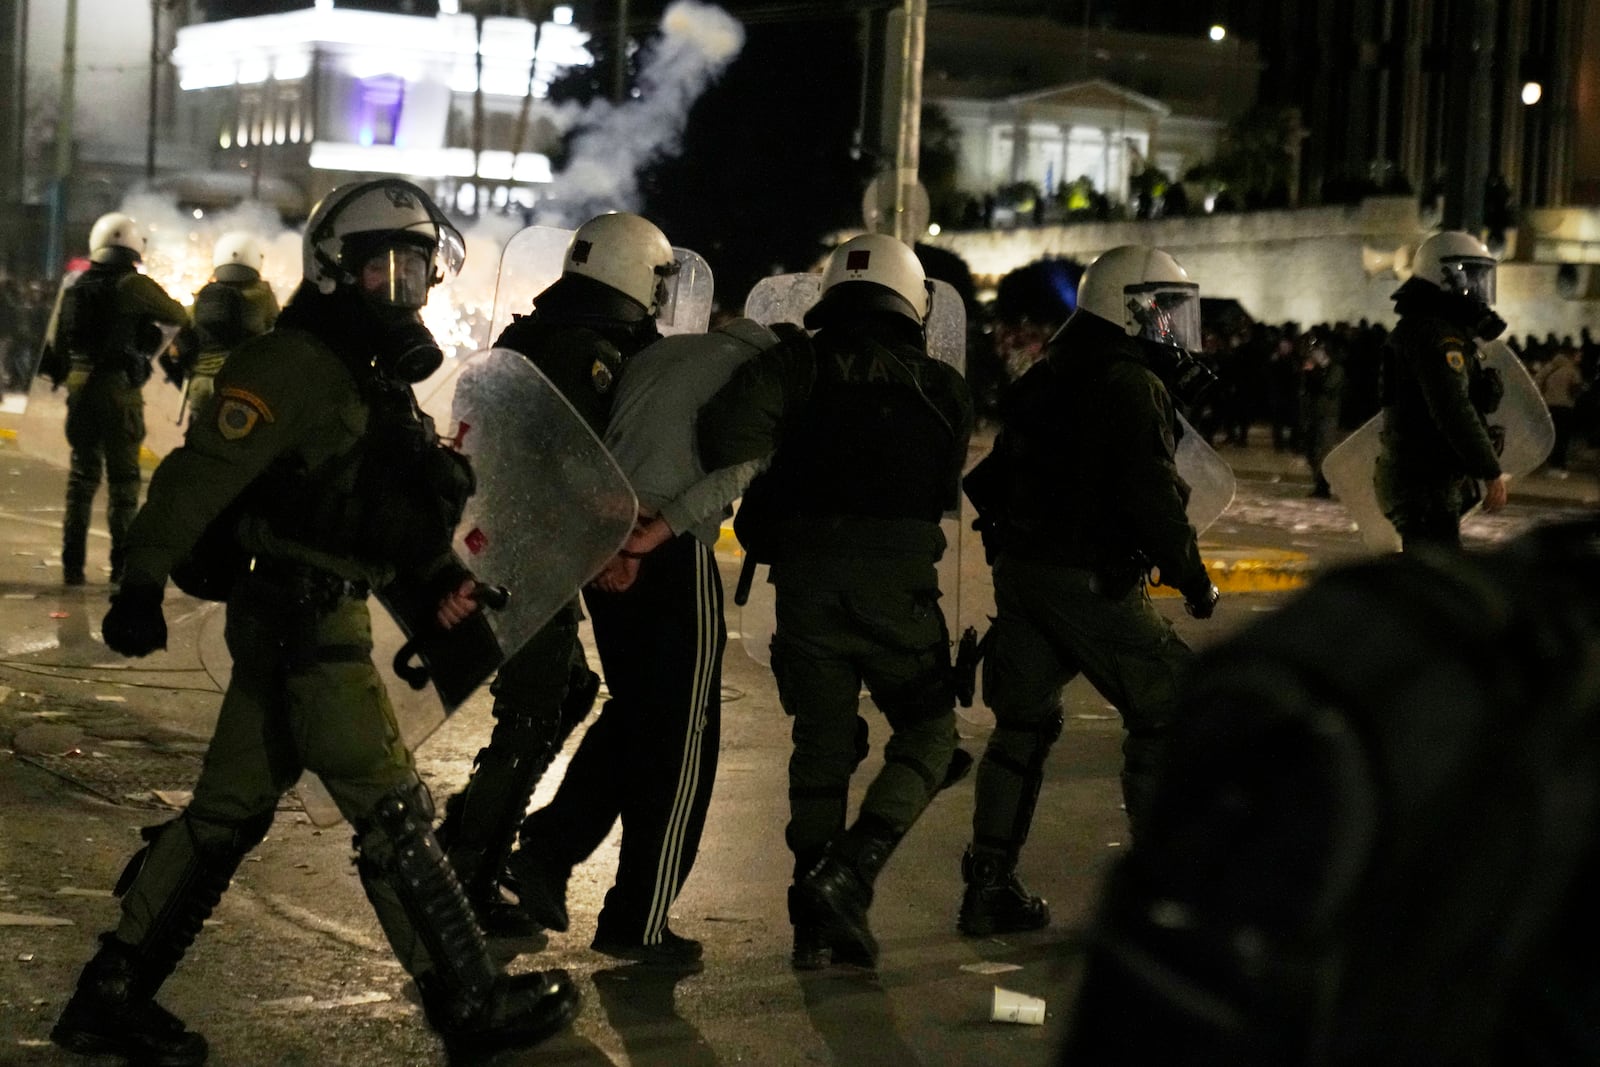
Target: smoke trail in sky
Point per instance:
(614, 142)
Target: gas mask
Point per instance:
(405, 350)
(394, 285)
(1185, 377)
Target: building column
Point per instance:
(1019, 147)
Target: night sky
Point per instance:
(1240, 16)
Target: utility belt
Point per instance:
(135, 366)
(307, 586)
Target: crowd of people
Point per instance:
(1309, 386)
(310, 480)
(24, 313)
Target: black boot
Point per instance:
(472, 1004)
(811, 949)
(515, 1011)
(113, 1013)
(839, 889)
(113, 1010)
(479, 827)
(995, 901)
(541, 883)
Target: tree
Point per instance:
(1253, 164)
(938, 165)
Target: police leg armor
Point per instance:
(83, 481)
(424, 913)
(169, 888)
(481, 822)
(122, 504)
(1009, 777)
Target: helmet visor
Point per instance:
(1470, 276)
(398, 276)
(666, 292)
(450, 253)
(1167, 313)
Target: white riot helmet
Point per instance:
(876, 271)
(113, 231)
(1457, 263)
(628, 253)
(238, 256)
(357, 223)
(1144, 291)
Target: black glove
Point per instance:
(1201, 602)
(134, 626)
(171, 369)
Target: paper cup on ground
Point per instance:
(1013, 1007)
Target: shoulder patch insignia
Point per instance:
(601, 376)
(247, 397)
(1455, 359)
(239, 413)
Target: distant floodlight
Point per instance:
(933, 229)
(1531, 92)
(1218, 32)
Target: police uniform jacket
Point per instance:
(1087, 474)
(260, 312)
(868, 436)
(113, 340)
(578, 336)
(1433, 386)
(300, 430)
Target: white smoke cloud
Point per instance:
(178, 251)
(695, 44)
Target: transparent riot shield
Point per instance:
(551, 508)
(1521, 422)
(1349, 469)
(532, 262)
(787, 298)
(1211, 481)
(166, 407)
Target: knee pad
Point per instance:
(400, 814)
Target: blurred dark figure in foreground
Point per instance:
(1376, 841)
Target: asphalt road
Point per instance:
(292, 969)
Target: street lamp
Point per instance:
(1218, 32)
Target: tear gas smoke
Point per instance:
(695, 44)
(615, 141)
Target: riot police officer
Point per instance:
(327, 484)
(1079, 500)
(579, 334)
(1436, 446)
(102, 339)
(868, 435)
(231, 308)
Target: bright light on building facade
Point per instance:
(375, 92)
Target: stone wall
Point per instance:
(1305, 265)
